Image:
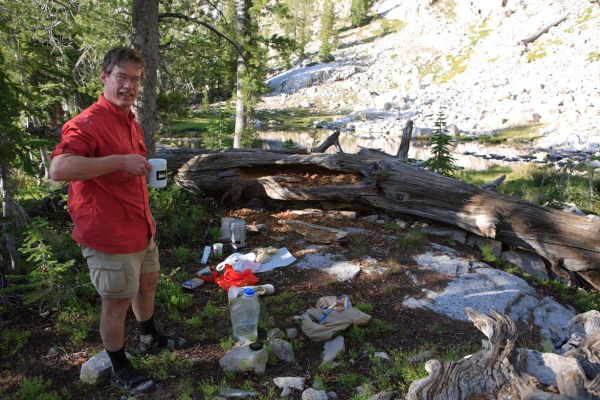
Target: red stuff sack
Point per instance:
(231, 277)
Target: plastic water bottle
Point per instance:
(245, 311)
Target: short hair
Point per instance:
(120, 56)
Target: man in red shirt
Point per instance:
(102, 155)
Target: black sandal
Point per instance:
(132, 381)
(149, 344)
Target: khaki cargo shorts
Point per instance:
(118, 275)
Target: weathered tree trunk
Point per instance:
(332, 140)
(501, 371)
(405, 142)
(379, 181)
(533, 37)
(145, 39)
(242, 21)
(10, 217)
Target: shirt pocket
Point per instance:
(108, 277)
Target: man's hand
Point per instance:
(135, 164)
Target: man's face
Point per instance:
(122, 85)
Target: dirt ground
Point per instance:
(49, 355)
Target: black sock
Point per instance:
(147, 327)
(118, 359)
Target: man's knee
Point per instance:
(148, 282)
(115, 307)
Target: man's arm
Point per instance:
(69, 167)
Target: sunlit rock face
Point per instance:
(468, 57)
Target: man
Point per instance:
(102, 155)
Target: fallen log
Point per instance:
(383, 182)
(533, 37)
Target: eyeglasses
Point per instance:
(122, 78)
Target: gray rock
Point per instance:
(332, 395)
(315, 260)
(292, 382)
(478, 242)
(313, 394)
(385, 396)
(282, 350)
(343, 270)
(547, 366)
(420, 356)
(242, 358)
(402, 224)
(455, 234)
(332, 348)
(527, 262)
(229, 393)
(476, 285)
(97, 369)
(382, 355)
(291, 333)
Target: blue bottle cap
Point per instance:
(249, 292)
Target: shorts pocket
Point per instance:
(108, 277)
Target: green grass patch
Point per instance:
(543, 185)
(293, 120)
(594, 56)
(515, 134)
(409, 240)
(388, 26)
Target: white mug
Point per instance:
(158, 173)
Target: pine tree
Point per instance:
(326, 35)
(359, 11)
(441, 160)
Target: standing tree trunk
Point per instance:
(9, 217)
(242, 23)
(145, 39)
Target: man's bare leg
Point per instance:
(143, 302)
(112, 322)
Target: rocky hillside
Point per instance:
(479, 60)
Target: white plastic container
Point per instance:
(237, 229)
(245, 311)
(158, 173)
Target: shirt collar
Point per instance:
(107, 104)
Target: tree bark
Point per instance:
(332, 140)
(382, 182)
(533, 37)
(145, 39)
(242, 21)
(500, 370)
(9, 216)
(405, 143)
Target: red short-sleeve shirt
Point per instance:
(111, 212)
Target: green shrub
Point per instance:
(55, 275)
(183, 254)
(13, 340)
(36, 389)
(171, 296)
(77, 322)
(179, 217)
(365, 307)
